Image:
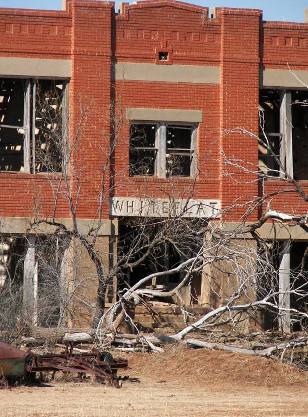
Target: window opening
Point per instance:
(269, 148)
(283, 147)
(48, 126)
(11, 125)
(142, 149)
(179, 151)
(300, 134)
(32, 115)
(268, 281)
(162, 150)
(163, 56)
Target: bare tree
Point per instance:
(165, 257)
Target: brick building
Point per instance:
(192, 80)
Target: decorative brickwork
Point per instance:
(94, 38)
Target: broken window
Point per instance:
(300, 134)
(162, 149)
(269, 148)
(142, 149)
(179, 151)
(11, 125)
(283, 146)
(31, 125)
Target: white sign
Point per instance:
(164, 207)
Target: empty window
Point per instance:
(142, 149)
(162, 149)
(284, 133)
(31, 125)
(270, 135)
(163, 56)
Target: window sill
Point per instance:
(28, 175)
(285, 181)
(141, 178)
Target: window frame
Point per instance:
(29, 122)
(160, 165)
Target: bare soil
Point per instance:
(178, 383)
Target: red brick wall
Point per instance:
(91, 35)
(90, 100)
(192, 39)
(33, 33)
(82, 33)
(284, 44)
(37, 34)
(172, 95)
(239, 99)
(145, 27)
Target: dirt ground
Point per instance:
(179, 383)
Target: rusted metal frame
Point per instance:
(88, 363)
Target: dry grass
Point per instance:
(179, 383)
(202, 366)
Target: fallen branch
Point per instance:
(134, 344)
(259, 352)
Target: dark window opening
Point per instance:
(161, 149)
(268, 281)
(142, 149)
(135, 239)
(163, 56)
(283, 147)
(300, 134)
(299, 280)
(31, 125)
(11, 125)
(49, 126)
(11, 149)
(148, 245)
(269, 148)
(178, 151)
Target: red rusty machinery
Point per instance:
(101, 366)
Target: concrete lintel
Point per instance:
(22, 225)
(164, 115)
(278, 231)
(270, 231)
(33, 67)
(195, 74)
(284, 78)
